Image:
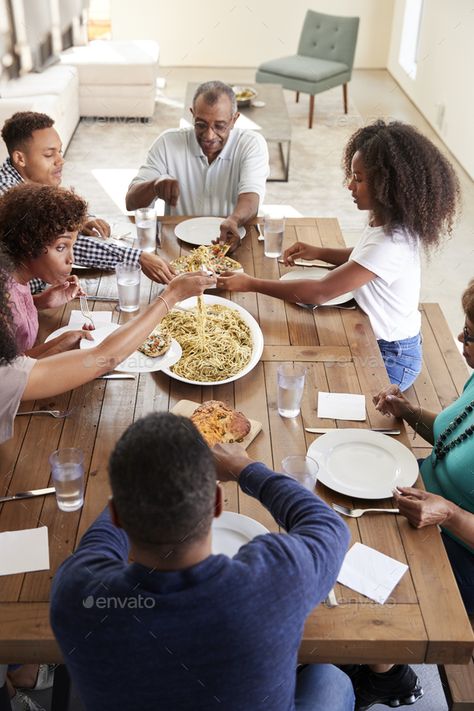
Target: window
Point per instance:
(100, 25)
(408, 56)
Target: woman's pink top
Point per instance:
(25, 315)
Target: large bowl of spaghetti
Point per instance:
(220, 340)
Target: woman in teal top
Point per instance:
(448, 475)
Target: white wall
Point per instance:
(244, 33)
(444, 74)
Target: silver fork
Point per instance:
(85, 310)
(355, 513)
(59, 414)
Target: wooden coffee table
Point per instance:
(271, 120)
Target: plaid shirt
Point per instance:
(88, 252)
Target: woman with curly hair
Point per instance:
(24, 378)
(412, 194)
(38, 228)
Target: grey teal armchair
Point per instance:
(325, 58)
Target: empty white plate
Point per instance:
(363, 464)
(231, 531)
(201, 230)
(316, 273)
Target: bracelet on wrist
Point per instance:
(165, 302)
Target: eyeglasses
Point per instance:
(466, 337)
(221, 127)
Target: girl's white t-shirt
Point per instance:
(391, 299)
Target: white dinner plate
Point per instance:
(231, 531)
(136, 362)
(201, 230)
(316, 273)
(255, 332)
(363, 464)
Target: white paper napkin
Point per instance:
(24, 551)
(341, 406)
(370, 572)
(77, 320)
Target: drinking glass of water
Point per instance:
(290, 389)
(128, 286)
(145, 222)
(67, 469)
(302, 468)
(273, 231)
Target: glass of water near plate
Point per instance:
(145, 223)
(67, 470)
(273, 233)
(128, 286)
(290, 379)
(302, 468)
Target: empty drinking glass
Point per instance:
(67, 469)
(290, 389)
(145, 222)
(128, 286)
(273, 231)
(302, 468)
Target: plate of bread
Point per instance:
(157, 351)
(219, 423)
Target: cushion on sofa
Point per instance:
(115, 62)
(54, 80)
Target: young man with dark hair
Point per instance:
(35, 156)
(180, 629)
(211, 168)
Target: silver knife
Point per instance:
(313, 263)
(27, 494)
(323, 430)
(103, 298)
(116, 376)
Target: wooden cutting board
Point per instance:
(187, 407)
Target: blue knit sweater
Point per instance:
(223, 634)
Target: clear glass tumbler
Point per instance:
(273, 232)
(302, 468)
(67, 469)
(290, 389)
(128, 286)
(145, 222)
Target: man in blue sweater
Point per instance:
(180, 629)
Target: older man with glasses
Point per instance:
(211, 169)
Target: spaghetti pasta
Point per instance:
(216, 342)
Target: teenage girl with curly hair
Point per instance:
(412, 194)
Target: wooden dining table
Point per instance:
(423, 620)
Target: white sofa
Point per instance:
(116, 78)
(103, 78)
(54, 92)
